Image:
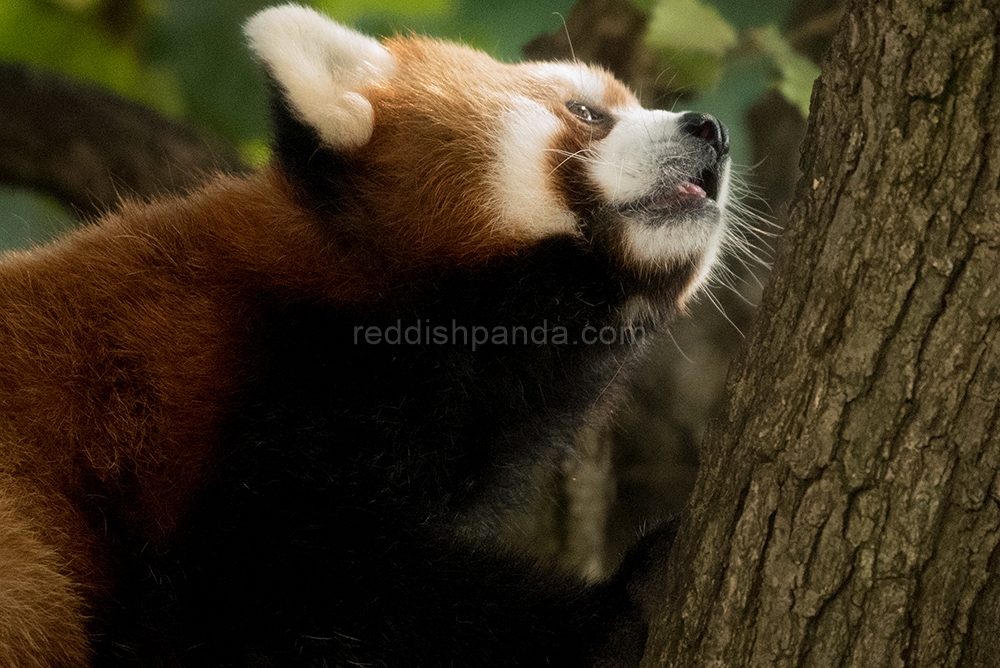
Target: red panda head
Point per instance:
(444, 155)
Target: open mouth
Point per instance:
(685, 196)
(708, 182)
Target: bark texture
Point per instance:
(847, 512)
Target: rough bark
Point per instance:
(88, 147)
(848, 509)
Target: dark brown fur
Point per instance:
(121, 354)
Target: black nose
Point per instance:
(707, 127)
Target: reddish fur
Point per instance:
(122, 342)
(41, 620)
(121, 351)
(438, 86)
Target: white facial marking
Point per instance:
(665, 244)
(585, 84)
(321, 65)
(522, 185)
(705, 268)
(629, 165)
(629, 160)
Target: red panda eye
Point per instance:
(584, 113)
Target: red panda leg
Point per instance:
(42, 624)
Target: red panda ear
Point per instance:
(320, 66)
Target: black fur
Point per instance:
(360, 471)
(303, 156)
(351, 521)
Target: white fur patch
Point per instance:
(665, 244)
(583, 84)
(705, 268)
(321, 65)
(628, 161)
(629, 166)
(522, 185)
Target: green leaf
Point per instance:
(66, 41)
(203, 44)
(742, 83)
(644, 5)
(692, 40)
(742, 14)
(349, 11)
(256, 152)
(28, 219)
(690, 25)
(796, 73)
(499, 28)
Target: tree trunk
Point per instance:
(847, 512)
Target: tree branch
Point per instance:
(86, 147)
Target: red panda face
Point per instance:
(465, 158)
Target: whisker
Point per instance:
(569, 40)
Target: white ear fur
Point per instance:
(321, 65)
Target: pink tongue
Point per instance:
(691, 189)
(685, 194)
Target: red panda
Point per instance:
(269, 423)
